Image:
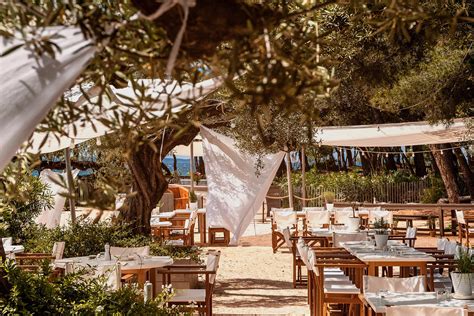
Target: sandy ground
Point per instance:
(253, 280)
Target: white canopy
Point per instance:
(32, 84)
(163, 96)
(185, 151)
(235, 190)
(391, 135)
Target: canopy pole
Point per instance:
(303, 175)
(191, 165)
(288, 176)
(70, 184)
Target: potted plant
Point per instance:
(329, 198)
(381, 233)
(354, 221)
(193, 201)
(462, 277)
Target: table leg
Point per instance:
(423, 272)
(153, 281)
(371, 269)
(441, 222)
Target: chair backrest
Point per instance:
(386, 215)
(285, 219)
(441, 243)
(120, 252)
(286, 236)
(313, 209)
(342, 217)
(338, 238)
(460, 217)
(275, 210)
(58, 249)
(373, 284)
(212, 264)
(303, 250)
(345, 209)
(450, 248)
(311, 260)
(316, 219)
(7, 241)
(411, 232)
(425, 311)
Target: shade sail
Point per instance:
(160, 98)
(32, 84)
(185, 151)
(391, 135)
(235, 190)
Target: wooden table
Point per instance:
(379, 305)
(378, 258)
(143, 267)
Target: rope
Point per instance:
(277, 197)
(307, 199)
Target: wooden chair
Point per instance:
(200, 297)
(315, 217)
(296, 245)
(32, 262)
(465, 231)
(336, 280)
(215, 240)
(181, 196)
(179, 235)
(281, 219)
(409, 238)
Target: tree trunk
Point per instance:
(304, 160)
(149, 182)
(446, 168)
(350, 161)
(5, 286)
(466, 171)
(419, 158)
(390, 163)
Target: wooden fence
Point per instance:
(403, 192)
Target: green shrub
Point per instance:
(19, 211)
(435, 192)
(36, 294)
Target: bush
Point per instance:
(86, 238)
(435, 192)
(18, 212)
(36, 294)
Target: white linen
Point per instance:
(32, 84)
(390, 135)
(235, 191)
(338, 238)
(425, 311)
(51, 217)
(374, 284)
(123, 252)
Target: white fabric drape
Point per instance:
(391, 135)
(235, 192)
(163, 96)
(51, 217)
(32, 84)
